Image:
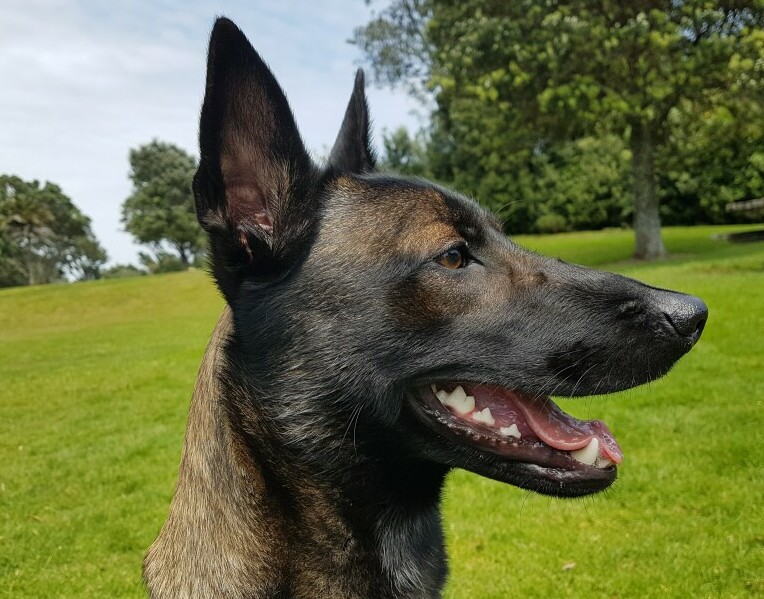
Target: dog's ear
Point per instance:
(352, 152)
(254, 180)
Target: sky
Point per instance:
(83, 81)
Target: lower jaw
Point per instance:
(529, 465)
(548, 481)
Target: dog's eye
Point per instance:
(453, 258)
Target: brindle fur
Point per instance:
(307, 470)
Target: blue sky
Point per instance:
(83, 81)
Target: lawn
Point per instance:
(95, 380)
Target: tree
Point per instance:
(43, 235)
(508, 77)
(161, 262)
(403, 153)
(581, 184)
(119, 271)
(712, 158)
(160, 211)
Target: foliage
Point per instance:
(11, 264)
(397, 40)
(576, 185)
(161, 262)
(160, 211)
(585, 182)
(713, 157)
(119, 271)
(43, 236)
(404, 153)
(511, 78)
(551, 222)
(682, 521)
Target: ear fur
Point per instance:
(255, 176)
(352, 152)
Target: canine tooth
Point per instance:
(601, 462)
(587, 455)
(434, 389)
(484, 417)
(510, 431)
(457, 400)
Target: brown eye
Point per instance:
(453, 258)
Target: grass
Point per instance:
(94, 386)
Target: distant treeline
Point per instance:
(556, 115)
(45, 238)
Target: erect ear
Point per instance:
(352, 151)
(254, 180)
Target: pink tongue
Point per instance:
(550, 424)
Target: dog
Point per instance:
(379, 332)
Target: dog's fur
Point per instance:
(309, 468)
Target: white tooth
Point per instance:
(434, 389)
(602, 462)
(457, 400)
(484, 417)
(458, 394)
(510, 431)
(468, 405)
(587, 455)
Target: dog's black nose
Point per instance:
(686, 313)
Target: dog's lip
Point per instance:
(548, 433)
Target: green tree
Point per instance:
(404, 153)
(119, 271)
(712, 158)
(11, 267)
(160, 211)
(582, 183)
(509, 77)
(161, 262)
(43, 235)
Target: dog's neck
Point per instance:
(245, 524)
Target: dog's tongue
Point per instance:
(546, 420)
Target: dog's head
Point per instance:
(397, 314)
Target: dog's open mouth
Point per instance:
(522, 428)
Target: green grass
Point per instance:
(95, 380)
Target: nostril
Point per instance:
(688, 316)
(699, 328)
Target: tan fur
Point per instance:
(409, 220)
(211, 511)
(224, 535)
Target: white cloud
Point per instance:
(83, 82)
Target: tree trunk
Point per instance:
(29, 260)
(183, 255)
(647, 220)
(31, 279)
